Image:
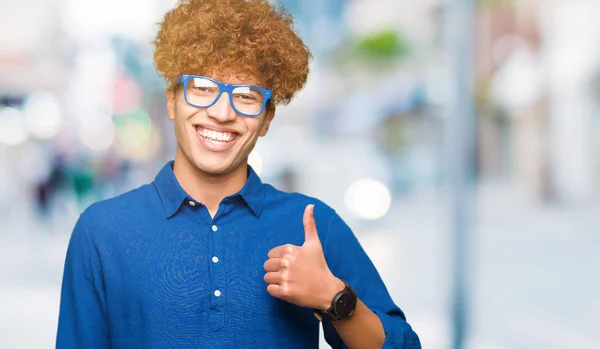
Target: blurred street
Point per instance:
(375, 134)
(534, 272)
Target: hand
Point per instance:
(299, 274)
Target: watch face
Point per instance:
(345, 305)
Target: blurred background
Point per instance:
(507, 261)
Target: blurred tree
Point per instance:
(379, 49)
(384, 45)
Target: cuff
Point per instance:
(398, 333)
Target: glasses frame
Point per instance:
(223, 87)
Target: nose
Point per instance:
(221, 111)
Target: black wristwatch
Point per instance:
(342, 305)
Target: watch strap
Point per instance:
(330, 313)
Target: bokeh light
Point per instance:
(98, 136)
(136, 138)
(42, 114)
(13, 130)
(368, 199)
(133, 130)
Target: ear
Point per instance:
(171, 101)
(269, 115)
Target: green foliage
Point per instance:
(387, 44)
(379, 50)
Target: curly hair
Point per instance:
(233, 37)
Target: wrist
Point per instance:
(333, 288)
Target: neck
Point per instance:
(207, 188)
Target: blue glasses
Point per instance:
(203, 92)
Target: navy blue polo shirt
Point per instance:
(152, 269)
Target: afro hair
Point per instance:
(251, 37)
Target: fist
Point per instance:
(299, 274)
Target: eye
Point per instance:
(203, 89)
(203, 85)
(247, 97)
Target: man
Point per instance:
(207, 256)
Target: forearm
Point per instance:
(377, 322)
(362, 330)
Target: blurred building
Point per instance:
(82, 118)
(537, 106)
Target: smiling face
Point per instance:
(215, 141)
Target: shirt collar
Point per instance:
(172, 194)
(253, 192)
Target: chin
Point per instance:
(215, 168)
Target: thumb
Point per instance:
(310, 226)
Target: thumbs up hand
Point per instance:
(299, 274)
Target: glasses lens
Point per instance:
(248, 100)
(201, 92)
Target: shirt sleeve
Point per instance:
(348, 261)
(82, 319)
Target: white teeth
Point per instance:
(216, 136)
